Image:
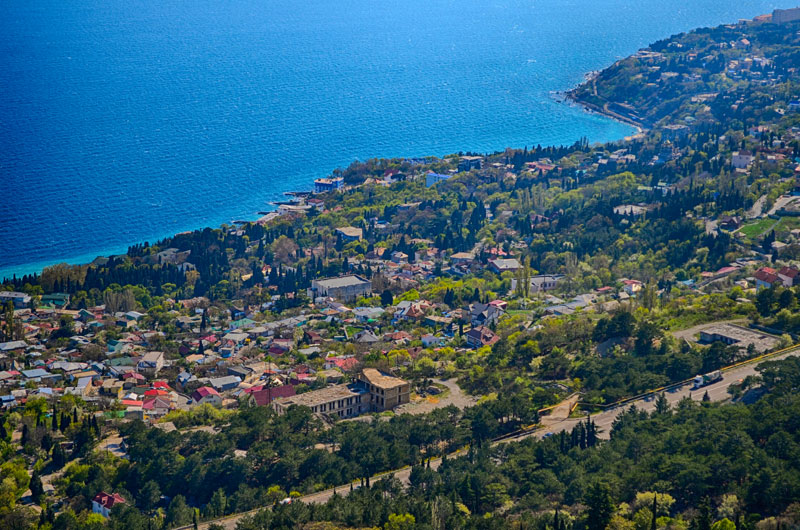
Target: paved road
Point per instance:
(604, 420)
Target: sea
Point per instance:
(124, 121)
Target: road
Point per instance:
(758, 207)
(604, 420)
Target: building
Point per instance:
(385, 391)
(19, 300)
(742, 159)
(344, 401)
(739, 336)
(59, 300)
(103, 503)
(790, 276)
(206, 394)
(151, 363)
(782, 16)
(468, 163)
(481, 336)
(501, 265)
(345, 288)
(541, 283)
(267, 395)
(324, 185)
(350, 233)
(431, 178)
(228, 382)
(674, 132)
(767, 277)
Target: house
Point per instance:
(228, 382)
(504, 265)
(399, 257)
(350, 233)
(343, 401)
(103, 503)
(206, 394)
(790, 276)
(462, 258)
(742, 159)
(631, 287)
(541, 283)
(484, 314)
(344, 288)
(468, 163)
(431, 178)
(19, 300)
(151, 363)
(365, 336)
(365, 314)
(481, 336)
(330, 184)
(767, 277)
(385, 391)
(432, 341)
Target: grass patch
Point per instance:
(755, 229)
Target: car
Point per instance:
(547, 435)
(287, 500)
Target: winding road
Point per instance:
(604, 420)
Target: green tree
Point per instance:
(599, 506)
(178, 512)
(404, 521)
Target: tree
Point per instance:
(599, 506)
(404, 521)
(149, 496)
(37, 489)
(218, 504)
(703, 519)
(178, 512)
(662, 404)
(387, 298)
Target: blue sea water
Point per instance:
(125, 121)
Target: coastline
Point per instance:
(272, 206)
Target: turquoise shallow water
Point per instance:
(128, 121)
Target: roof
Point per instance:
(108, 500)
(325, 395)
(204, 391)
(342, 281)
(266, 395)
(381, 380)
(350, 231)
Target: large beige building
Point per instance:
(344, 401)
(385, 391)
(374, 391)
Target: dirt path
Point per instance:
(455, 396)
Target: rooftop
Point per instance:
(382, 380)
(325, 395)
(342, 281)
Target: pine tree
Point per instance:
(655, 510)
(37, 489)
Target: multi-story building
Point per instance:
(344, 401)
(323, 185)
(385, 391)
(345, 288)
(20, 300)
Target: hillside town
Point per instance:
(454, 299)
